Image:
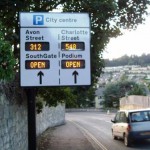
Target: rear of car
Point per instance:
(140, 124)
(131, 125)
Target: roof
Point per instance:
(134, 110)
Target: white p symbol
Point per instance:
(38, 20)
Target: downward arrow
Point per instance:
(40, 74)
(75, 74)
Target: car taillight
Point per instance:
(128, 128)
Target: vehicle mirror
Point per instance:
(112, 120)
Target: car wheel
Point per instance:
(114, 137)
(126, 140)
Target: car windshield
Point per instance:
(140, 116)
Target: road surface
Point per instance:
(87, 130)
(98, 128)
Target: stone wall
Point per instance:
(14, 122)
(50, 117)
(13, 125)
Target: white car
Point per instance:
(131, 125)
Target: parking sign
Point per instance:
(54, 49)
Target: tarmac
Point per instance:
(64, 137)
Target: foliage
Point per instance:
(54, 95)
(107, 17)
(143, 60)
(39, 104)
(114, 91)
(7, 60)
(84, 95)
(14, 94)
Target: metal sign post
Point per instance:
(54, 51)
(31, 119)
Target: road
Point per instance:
(96, 127)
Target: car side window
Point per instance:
(122, 117)
(117, 117)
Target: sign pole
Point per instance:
(31, 119)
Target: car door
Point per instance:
(116, 124)
(122, 124)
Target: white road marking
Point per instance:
(90, 135)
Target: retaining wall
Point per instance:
(14, 123)
(134, 102)
(50, 117)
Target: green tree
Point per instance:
(111, 95)
(114, 91)
(143, 60)
(85, 96)
(107, 17)
(7, 60)
(54, 95)
(137, 90)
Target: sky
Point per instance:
(134, 42)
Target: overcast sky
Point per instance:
(136, 42)
(131, 43)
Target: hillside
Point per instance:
(143, 60)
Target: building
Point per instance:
(99, 97)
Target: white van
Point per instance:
(131, 125)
